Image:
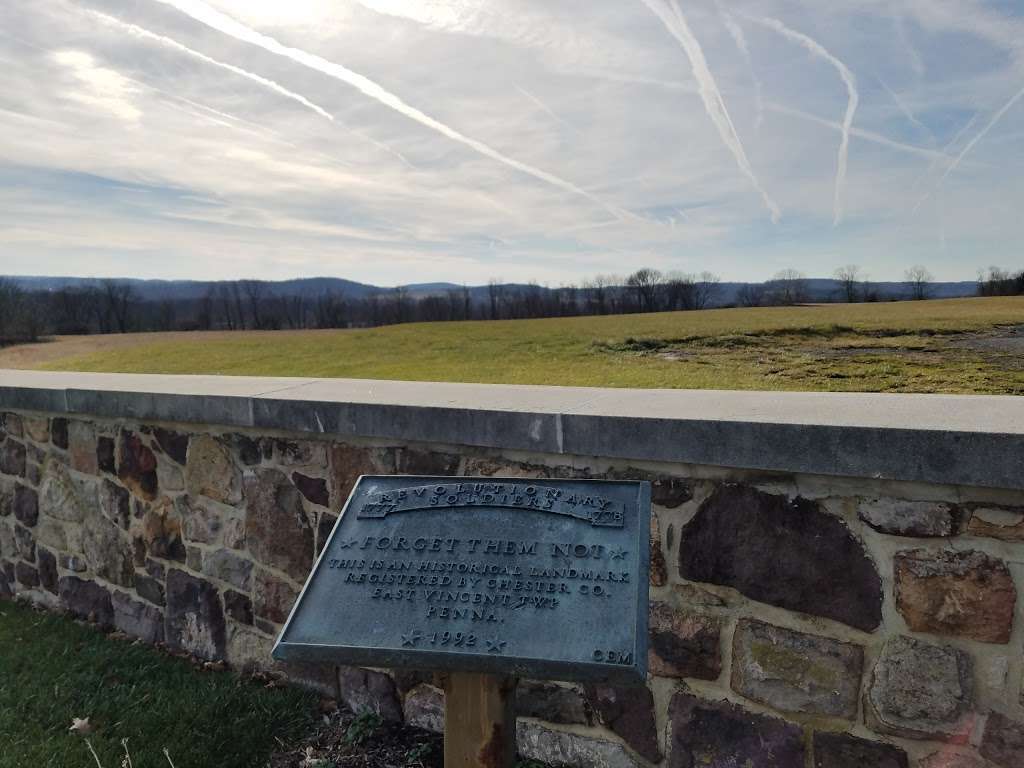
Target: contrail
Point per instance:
(146, 34)
(274, 86)
(851, 102)
(860, 133)
(981, 134)
(205, 14)
(674, 21)
(907, 113)
(545, 108)
(916, 63)
(736, 32)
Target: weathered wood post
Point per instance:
(482, 580)
(479, 721)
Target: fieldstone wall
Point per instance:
(795, 621)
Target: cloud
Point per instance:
(674, 21)
(852, 98)
(99, 87)
(202, 12)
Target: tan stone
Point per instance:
(683, 643)
(82, 447)
(965, 594)
(210, 471)
(63, 498)
(1003, 523)
(37, 428)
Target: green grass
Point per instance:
(902, 346)
(53, 669)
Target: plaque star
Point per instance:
(411, 639)
(617, 553)
(496, 645)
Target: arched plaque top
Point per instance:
(581, 505)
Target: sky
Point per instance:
(395, 142)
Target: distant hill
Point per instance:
(819, 289)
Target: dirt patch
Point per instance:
(345, 740)
(1009, 339)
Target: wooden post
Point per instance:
(479, 721)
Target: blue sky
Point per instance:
(391, 141)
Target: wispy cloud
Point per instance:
(852, 99)
(674, 21)
(145, 34)
(738, 37)
(982, 133)
(204, 13)
(99, 86)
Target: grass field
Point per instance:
(971, 345)
(53, 669)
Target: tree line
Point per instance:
(114, 306)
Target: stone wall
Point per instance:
(795, 620)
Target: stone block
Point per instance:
(210, 471)
(86, 599)
(227, 566)
(47, 563)
(59, 433)
(12, 458)
(707, 734)
(305, 453)
(629, 713)
(898, 517)
(659, 568)
(965, 594)
(683, 643)
(12, 424)
(313, 488)
(52, 534)
(106, 460)
(796, 672)
(194, 619)
(73, 563)
(25, 543)
(37, 428)
(757, 543)
(82, 447)
(161, 532)
(571, 750)
(61, 497)
(169, 476)
(364, 690)
(348, 462)
(277, 529)
(1003, 742)
(1003, 523)
(26, 575)
(149, 589)
(920, 690)
(137, 619)
(137, 466)
(238, 607)
(26, 505)
(272, 598)
(107, 550)
(115, 503)
(8, 544)
(415, 461)
(841, 750)
(234, 533)
(424, 708)
(7, 486)
(173, 444)
(324, 527)
(552, 702)
(201, 521)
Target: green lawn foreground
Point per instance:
(53, 669)
(909, 346)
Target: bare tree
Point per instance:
(750, 295)
(848, 278)
(118, 297)
(788, 287)
(920, 282)
(255, 293)
(706, 287)
(646, 283)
